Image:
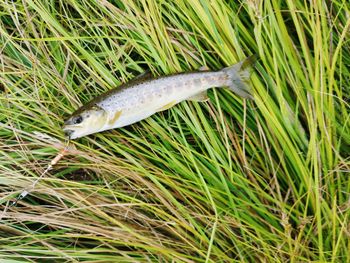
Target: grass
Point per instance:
(222, 181)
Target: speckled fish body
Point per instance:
(142, 98)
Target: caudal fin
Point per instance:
(239, 75)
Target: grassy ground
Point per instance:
(222, 181)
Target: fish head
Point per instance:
(85, 121)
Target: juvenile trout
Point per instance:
(139, 99)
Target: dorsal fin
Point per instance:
(143, 76)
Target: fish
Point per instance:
(142, 97)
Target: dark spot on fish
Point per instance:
(190, 82)
(197, 81)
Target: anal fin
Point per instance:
(202, 96)
(167, 106)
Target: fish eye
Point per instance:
(78, 120)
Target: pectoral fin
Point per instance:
(167, 106)
(115, 117)
(199, 97)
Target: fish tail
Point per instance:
(239, 76)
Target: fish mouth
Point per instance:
(68, 133)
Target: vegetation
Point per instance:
(221, 181)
